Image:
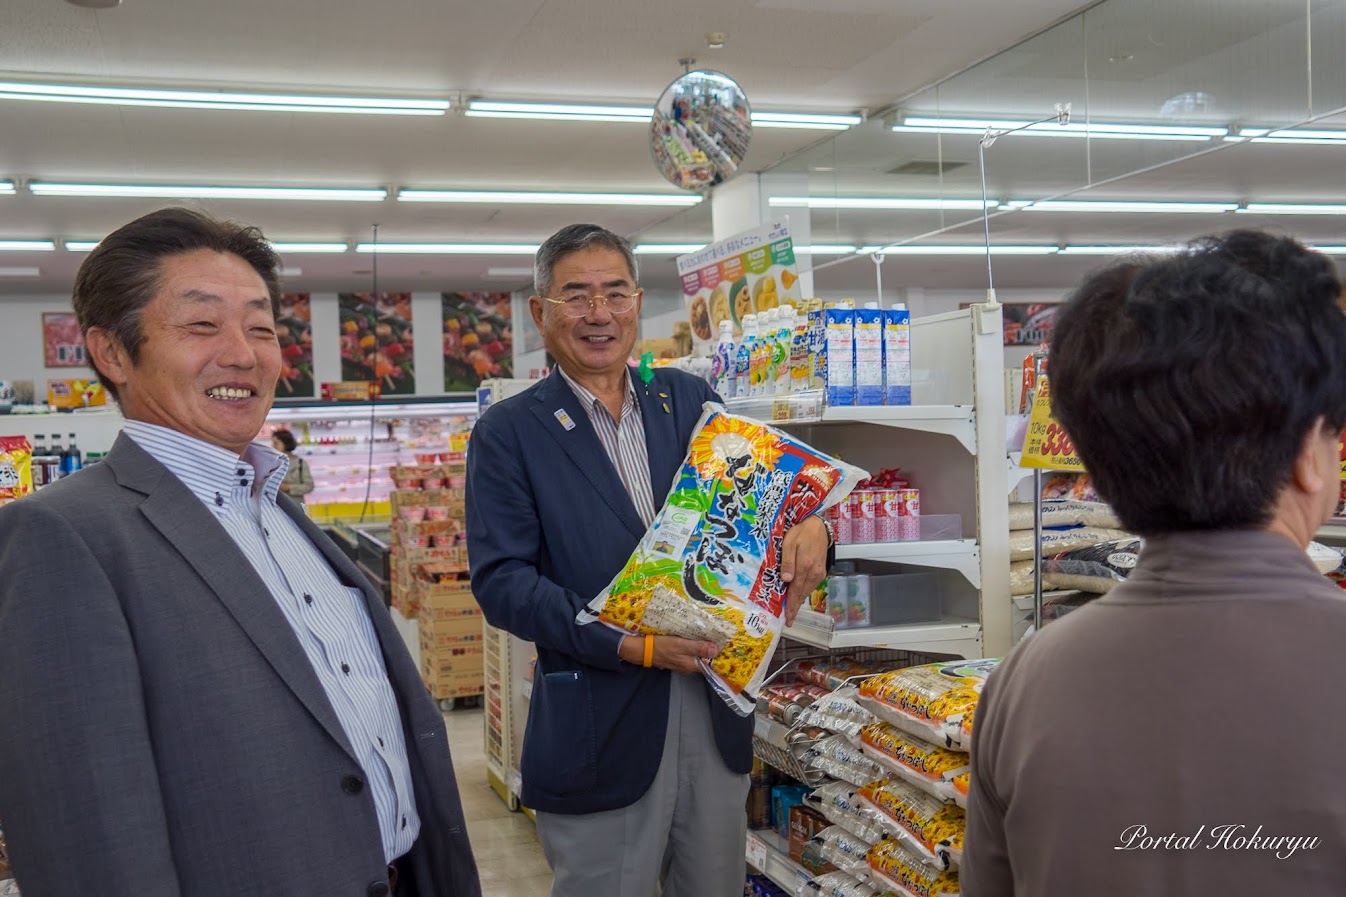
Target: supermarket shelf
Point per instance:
(495, 777)
(1333, 531)
(952, 636)
(962, 555)
(810, 407)
(1025, 602)
(769, 853)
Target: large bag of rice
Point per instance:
(709, 565)
(935, 701)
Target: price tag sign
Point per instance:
(1046, 445)
(458, 442)
(756, 852)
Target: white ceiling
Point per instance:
(1122, 60)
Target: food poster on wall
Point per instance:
(294, 330)
(748, 273)
(478, 339)
(62, 341)
(1027, 323)
(376, 341)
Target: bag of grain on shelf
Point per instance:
(1063, 513)
(929, 767)
(1096, 568)
(836, 884)
(903, 871)
(839, 805)
(1056, 541)
(930, 701)
(926, 824)
(843, 850)
(709, 566)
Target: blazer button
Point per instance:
(352, 784)
(378, 889)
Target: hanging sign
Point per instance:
(1046, 445)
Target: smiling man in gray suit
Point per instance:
(199, 695)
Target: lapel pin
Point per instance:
(666, 409)
(564, 419)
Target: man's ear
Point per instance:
(1308, 473)
(536, 308)
(107, 355)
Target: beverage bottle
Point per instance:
(761, 353)
(71, 460)
(39, 462)
(801, 363)
(743, 358)
(723, 380)
(780, 350)
(57, 452)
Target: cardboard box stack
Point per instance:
(429, 574)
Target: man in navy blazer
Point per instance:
(638, 772)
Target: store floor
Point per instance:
(509, 856)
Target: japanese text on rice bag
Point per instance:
(709, 566)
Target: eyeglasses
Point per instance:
(579, 305)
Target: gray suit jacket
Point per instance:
(161, 730)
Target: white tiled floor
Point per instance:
(509, 857)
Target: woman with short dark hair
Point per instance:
(298, 480)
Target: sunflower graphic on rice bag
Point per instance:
(708, 568)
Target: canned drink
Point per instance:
(888, 513)
(863, 519)
(909, 514)
(843, 523)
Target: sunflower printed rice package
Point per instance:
(709, 566)
(936, 701)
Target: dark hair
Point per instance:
(285, 438)
(121, 275)
(573, 238)
(1189, 383)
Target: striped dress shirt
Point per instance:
(329, 619)
(624, 441)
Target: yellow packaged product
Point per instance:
(902, 870)
(924, 823)
(930, 701)
(708, 568)
(927, 766)
(16, 467)
(961, 783)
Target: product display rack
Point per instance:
(951, 441)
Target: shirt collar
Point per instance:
(213, 474)
(592, 402)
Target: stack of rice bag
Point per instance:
(1068, 525)
(901, 833)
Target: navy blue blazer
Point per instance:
(549, 524)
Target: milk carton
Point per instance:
(839, 377)
(897, 355)
(869, 355)
(817, 344)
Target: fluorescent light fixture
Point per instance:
(804, 120)
(7, 188)
(667, 248)
(201, 99)
(19, 271)
(499, 197)
(152, 191)
(947, 249)
(558, 111)
(643, 114)
(1330, 250)
(80, 245)
(1069, 205)
(1114, 250)
(1290, 208)
(825, 249)
(27, 246)
(876, 202)
(509, 272)
(291, 272)
(1098, 130)
(311, 248)
(448, 248)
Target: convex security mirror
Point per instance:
(701, 129)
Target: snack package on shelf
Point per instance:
(708, 567)
(843, 850)
(933, 702)
(927, 766)
(1063, 513)
(1096, 568)
(761, 886)
(839, 758)
(839, 712)
(1076, 486)
(1022, 545)
(836, 884)
(838, 803)
(926, 824)
(902, 870)
(16, 468)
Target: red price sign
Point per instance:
(1047, 443)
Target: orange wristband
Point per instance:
(649, 651)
